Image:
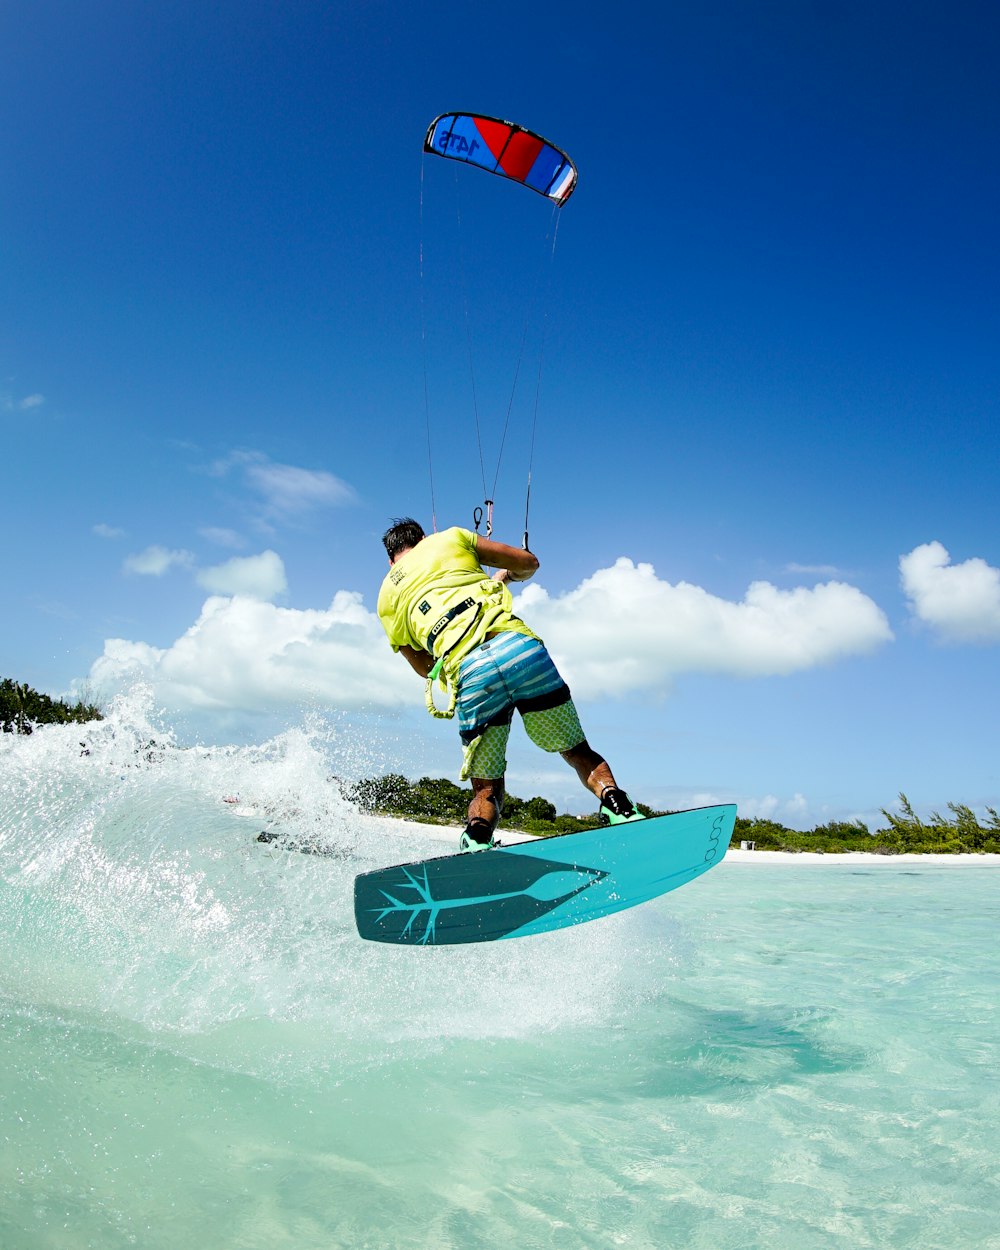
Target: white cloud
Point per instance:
(249, 656)
(155, 561)
(791, 812)
(107, 531)
(222, 537)
(814, 570)
(9, 404)
(260, 577)
(960, 601)
(623, 629)
(286, 490)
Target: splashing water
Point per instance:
(134, 886)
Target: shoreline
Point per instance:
(449, 833)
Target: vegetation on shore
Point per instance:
(22, 708)
(439, 801)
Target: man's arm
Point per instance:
(518, 563)
(420, 661)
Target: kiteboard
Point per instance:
(547, 883)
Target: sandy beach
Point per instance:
(449, 834)
(802, 858)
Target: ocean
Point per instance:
(198, 1050)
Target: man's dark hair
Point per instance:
(403, 533)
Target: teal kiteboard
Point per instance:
(533, 887)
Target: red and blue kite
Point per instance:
(505, 149)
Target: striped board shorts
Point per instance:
(506, 672)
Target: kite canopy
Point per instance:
(505, 149)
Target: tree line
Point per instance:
(22, 708)
(436, 800)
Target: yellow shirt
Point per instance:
(421, 601)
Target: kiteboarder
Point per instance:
(452, 621)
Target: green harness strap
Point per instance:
(436, 673)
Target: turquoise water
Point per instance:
(197, 1050)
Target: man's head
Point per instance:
(403, 534)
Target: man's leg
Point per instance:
(487, 801)
(484, 814)
(486, 761)
(591, 768)
(593, 771)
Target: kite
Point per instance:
(505, 149)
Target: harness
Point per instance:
(437, 671)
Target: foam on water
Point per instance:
(198, 1050)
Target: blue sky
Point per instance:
(763, 491)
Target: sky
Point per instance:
(244, 323)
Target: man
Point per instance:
(447, 617)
